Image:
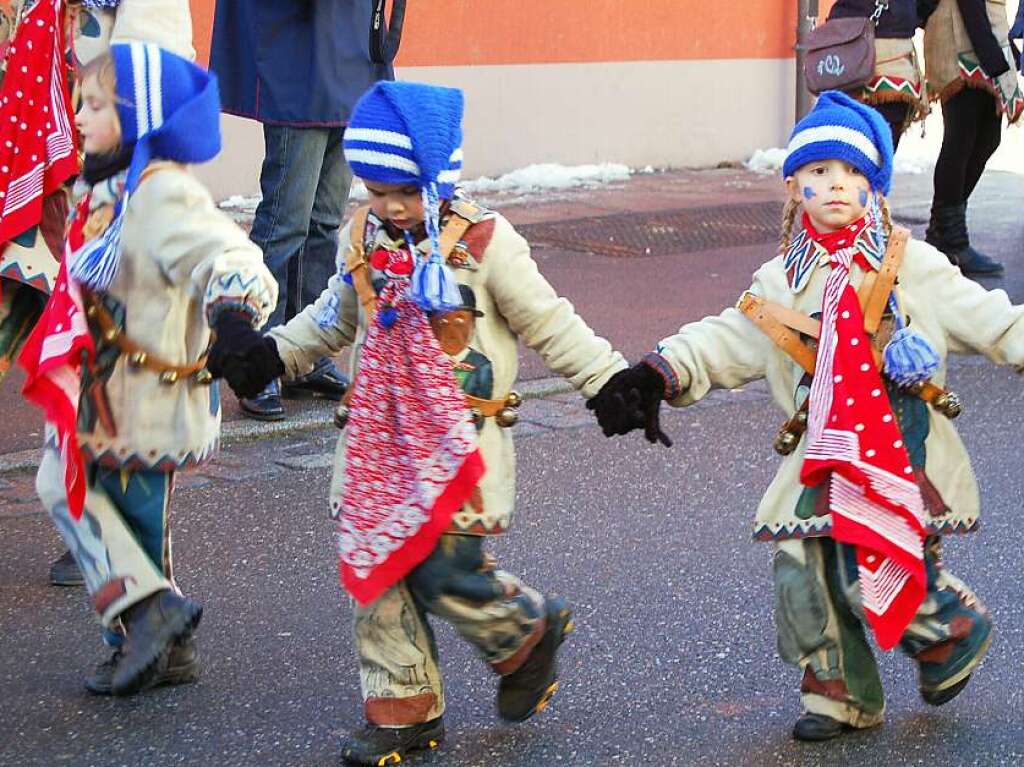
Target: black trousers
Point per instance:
(973, 130)
(895, 113)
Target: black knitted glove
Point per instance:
(241, 356)
(631, 399)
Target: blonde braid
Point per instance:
(788, 221)
(883, 206)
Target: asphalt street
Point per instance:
(674, 660)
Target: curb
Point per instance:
(247, 430)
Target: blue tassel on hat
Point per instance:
(434, 287)
(908, 358)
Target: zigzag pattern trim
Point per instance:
(138, 462)
(801, 257)
(13, 271)
(884, 83)
(815, 529)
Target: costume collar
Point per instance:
(809, 248)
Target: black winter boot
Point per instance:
(816, 727)
(152, 626)
(64, 571)
(948, 232)
(182, 668)
(528, 689)
(379, 746)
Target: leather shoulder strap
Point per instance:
(757, 311)
(355, 261)
(875, 290)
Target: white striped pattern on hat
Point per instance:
(838, 133)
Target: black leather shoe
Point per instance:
(182, 668)
(152, 626)
(325, 380)
(375, 746)
(64, 571)
(974, 263)
(265, 406)
(528, 689)
(815, 727)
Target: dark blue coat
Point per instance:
(900, 20)
(293, 62)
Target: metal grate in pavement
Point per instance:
(662, 233)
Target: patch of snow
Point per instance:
(766, 161)
(545, 176)
(532, 178)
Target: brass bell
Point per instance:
(477, 415)
(949, 404)
(341, 416)
(800, 416)
(785, 442)
(915, 388)
(514, 399)
(169, 377)
(507, 417)
(137, 359)
(203, 377)
(110, 335)
(91, 312)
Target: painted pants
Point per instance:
(122, 542)
(491, 609)
(821, 626)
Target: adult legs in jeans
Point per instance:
(972, 134)
(305, 183)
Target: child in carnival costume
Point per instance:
(417, 489)
(850, 325)
(121, 360)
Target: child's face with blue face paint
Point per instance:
(832, 192)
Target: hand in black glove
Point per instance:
(631, 399)
(241, 356)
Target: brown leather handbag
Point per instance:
(841, 52)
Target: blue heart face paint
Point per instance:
(863, 198)
(809, 193)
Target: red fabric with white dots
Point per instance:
(854, 437)
(37, 134)
(52, 358)
(411, 458)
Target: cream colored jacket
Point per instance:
(182, 262)
(518, 304)
(954, 313)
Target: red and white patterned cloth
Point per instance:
(412, 459)
(37, 133)
(854, 438)
(52, 358)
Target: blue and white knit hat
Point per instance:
(839, 128)
(411, 133)
(169, 108)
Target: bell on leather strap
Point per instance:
(203, 377)
(477, 415)
(514, 399)
(137, 359)
(507, 417)
(785, 442)
(949, 404)
(169, 377)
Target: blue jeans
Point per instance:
(305, 183)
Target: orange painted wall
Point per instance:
(466, 32)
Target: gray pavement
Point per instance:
(674, 660)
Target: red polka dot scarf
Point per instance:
(411, 454)
(854, 439)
